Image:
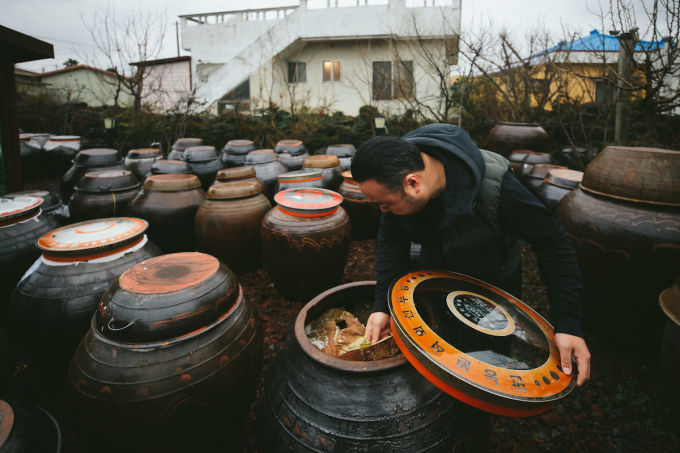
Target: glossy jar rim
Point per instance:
(300, 176)
(233, 190)
(227, 174)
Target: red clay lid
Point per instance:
(348, 177)
(17, 209)
(233, 190)
(321, 161)
(228, 174)
(477, 343)
(568, 179)
(171, 182)
(308, 202)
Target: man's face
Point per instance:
(405, 202)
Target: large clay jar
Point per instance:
(537, 174)
(59, 150)
(508, 137)
(292, 153)
(169, 167)
(316, 402)
(235, 151)
(21, 224)
(300, 179)
(85, 162)
(556, 185)
(169, 203)
(182, 144)
(140, 161)
(344, 152)
(530, 160)
(670, 344)
(267, 167)
(240, 174)
(228, 224)
(205, 163)
(624, 223)
(517, 159)
(27, 429)
(305, 242)
(364, 216)
(101, 194)
(52, 306)
(171, 361)
(330, 168)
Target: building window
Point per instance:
(382, 80)
(297, 71)
(331, 71)
(405, 83)
(604, 91)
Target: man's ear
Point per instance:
(412, 184)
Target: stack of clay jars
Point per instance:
(534, 178)
(171, 361)
(140, 161)
(182, 144)
(169, 203)
(292, 153)
(52, 306)
(169, 167)
(228, 224)
(235, 151)
(85, 162)
(300, 179)
(556, 185)
(305, 242)
(331, 171)
(27, 429)
(205, 163)
(364, 216)
(624, 221)
(101, 194)
(240, 174)
(344, 152)
(267, 167)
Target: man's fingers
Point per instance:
(583, 360)
(369, 331)
(565, 358)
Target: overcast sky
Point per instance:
(60, 22)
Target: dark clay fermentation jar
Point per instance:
(139, 161)
(169, 167)
(530, 160)
(171, 361)
(315, 402)
(52, 306)
(235, 151)
(624, 223)
(228, 224)
(240, 174)
(292, 153)
(27, 429)
(300, 179)
(169, 203)
(670, 343)
(85, 162)
(556, 185)
(21, 224)
(182, 144)
(364, 216)
(508, 137)
(101, 194)
(59, 151)
(267, 167)
(305, 242)
(537, 174)
(344, 152)
(205, 163)
(517, 159)
(331, 171)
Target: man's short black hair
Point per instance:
(387, 160)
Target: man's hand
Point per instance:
(378, 326)
(570, 345)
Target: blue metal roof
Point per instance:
(599, 42)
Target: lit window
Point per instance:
(331, 71)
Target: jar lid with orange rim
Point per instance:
(305, 175)
(92, 239)
(228, 174)
(348, 177)
(233, 190)
(308, 202)
(171, 182)
(14, 210)
(477, 343)
(321, 161)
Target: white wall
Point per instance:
(167, 84)
(84, 85)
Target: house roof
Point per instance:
(597, 41)
(162, 61)
(73, 68)
(20, 47)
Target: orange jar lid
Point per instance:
(171, 182)
(321, 161)
(308, 202)
(17, 209)
(232, 190)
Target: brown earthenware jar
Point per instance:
(140, 161)
(85, 162)
(330, 168)
(528, 164)
(517, 159)
(169, 203)
(228, 224)
(169, 167)
(27, 429)
(267, 167)
(292, 153)
(300, 179)
(235, 151)
(171, 361)
(101, 194)
(556, 185)
(534, 178)
(670, 343)
(181, 144)
(205, 163)
(624, 224)
(345, 154)
(305, 242)
(508, 137)
(240, 174)
(364, 216)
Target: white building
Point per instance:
(167, 82)
(332, 54)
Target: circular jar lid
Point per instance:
(519, 155)
(232, 190)
(568, 179)
(97, 157)
(538, 158)
(477, 343)
(183, 143)
(308, 202)
(50, 200)
(235, 173)
(239, 147)
(294, 147)
(200, 154)
(670, 302)
(321, 161)
(64, 138)
(341, 150)
(17, 209)
(144, 153)
(348, 177)
(261, 156)
(171, 183)
(107, 181)
(167, 297)
(92, 239)
(170, 167)
(540, 170)
(305, 175)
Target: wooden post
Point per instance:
(9, 129)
